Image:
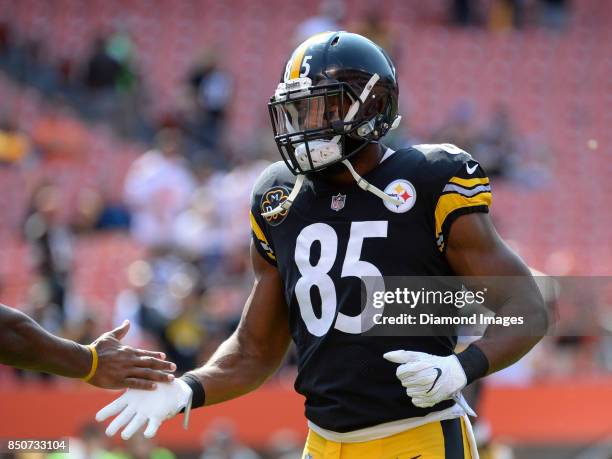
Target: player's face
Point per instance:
(316, 112)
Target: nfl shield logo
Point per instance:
(338, 201)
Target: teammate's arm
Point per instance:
(25, 344)
(476, 249)
(241, 364)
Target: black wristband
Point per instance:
(199, 396)
(474, 363)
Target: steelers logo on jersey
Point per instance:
(270, 200)
(404, 191)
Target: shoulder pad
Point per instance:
(276, 174)
(443, 151)
(442, 161)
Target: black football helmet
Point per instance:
(337, 94)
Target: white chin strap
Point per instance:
(367, 186)
(328, 151)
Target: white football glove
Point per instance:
(137, 407)
(430, 379)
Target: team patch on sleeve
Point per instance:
(466, 192)
(261, 242)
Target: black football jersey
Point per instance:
(334, 235)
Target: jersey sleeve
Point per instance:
(259, 228)
(260, 239)
(468, 190)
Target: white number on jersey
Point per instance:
(318, 276)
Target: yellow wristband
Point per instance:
(94, 363)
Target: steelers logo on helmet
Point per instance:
(271, 199)
(404, 191)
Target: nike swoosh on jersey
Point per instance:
(435, 380)
(471, 170)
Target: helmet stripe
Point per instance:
(298, 54)
(296, 63)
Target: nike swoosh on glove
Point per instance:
(428, 379)
(137, 407)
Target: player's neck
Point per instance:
(363, 162)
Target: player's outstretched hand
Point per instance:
(428, 378)
(136, 407)
(122, 366)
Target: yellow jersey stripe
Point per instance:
(469, 183)
(453, 201)
(256, 229)
(261, 236)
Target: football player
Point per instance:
(105, 363)
(339, 208)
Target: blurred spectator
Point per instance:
(464, 12)
(14, 145)
(102, 70)
(505, 14)
(157, 189)
(554, 13)
(185, 334)
(377, 30)
(4, 38)
(120, 48)
(532, 164)
(128, 119)
(94, 212)
(90, 444)
(222, 444)
(165, 304)
(148, 318)
(51, 242)
(285, 444)
(197, 231)
(102, 73)
(41, 307)
(495, 147)
(213, 225)
(459, 127)
(85, 330)
(31, 66)
(329, 17)
(139, 447)
(59, 134)
(211, 89)
(7, 47)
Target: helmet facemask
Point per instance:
(311, 130)
(312, 124)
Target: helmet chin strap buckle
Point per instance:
(364, 130)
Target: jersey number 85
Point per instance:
(318, 275)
